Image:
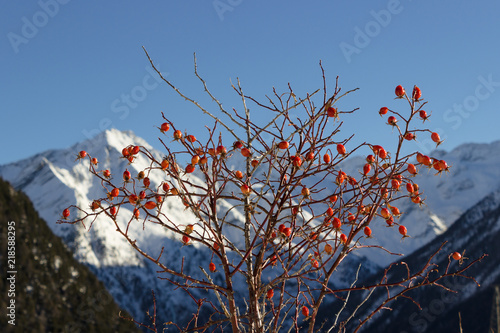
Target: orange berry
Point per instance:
(164, 127)
(412, 169)
(400, 91)
(332, 112)
(164, 164)
(417, 93)
(177, 134)
(305, 192)
(245, 152)
(341, 149)
(305, 311)
(283, 145)
(150, 205)
(212, 267)
(245, 189)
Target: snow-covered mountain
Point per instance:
(54, 181)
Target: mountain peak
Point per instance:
(113, 138)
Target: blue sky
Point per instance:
(72, 68)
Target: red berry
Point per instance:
(106, 173)
(305, 192)
(287, 231)
(237, 144)
(283, 145)
(159, 198)
(410, 136)
(221, 150)
(385, 213)
(245, 152)
(166, 187)
(95, 205)
(146, 182)
(305, 311)
(245, 189)
(115, 192)
(254, 163)
(417, 93)
(343, 238)
(329, 211)
(82, 154)
(392, 120)
(191, 138)
(189, 168)
(212, 267)
(137, 213)
(412, 169)
(435, 137)
(410, 188)
(270, 294)
(368, 231)
(400, 91)
(456, 256)
(164, 127)
(366, 169)
(328, 249)
(416, 199)
(341, 149)
(370, 159)
(133, 199)
(340, 177)
(296, 161)
(125, 152)
(402, 230)
(383, 111)
(135, 150)
(281, 228)
(65, 213)
(423, 115)
(238, 174)
(336, 223)
(332, 112)
(126, 175)
(112, 210)
(310, 156)
(164, 164)
(333, 198)
(395, 211)
(326, 158)
(150, 205)
(185, 239)
(177, 134)
(195, 159)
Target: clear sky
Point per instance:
(72, 68)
